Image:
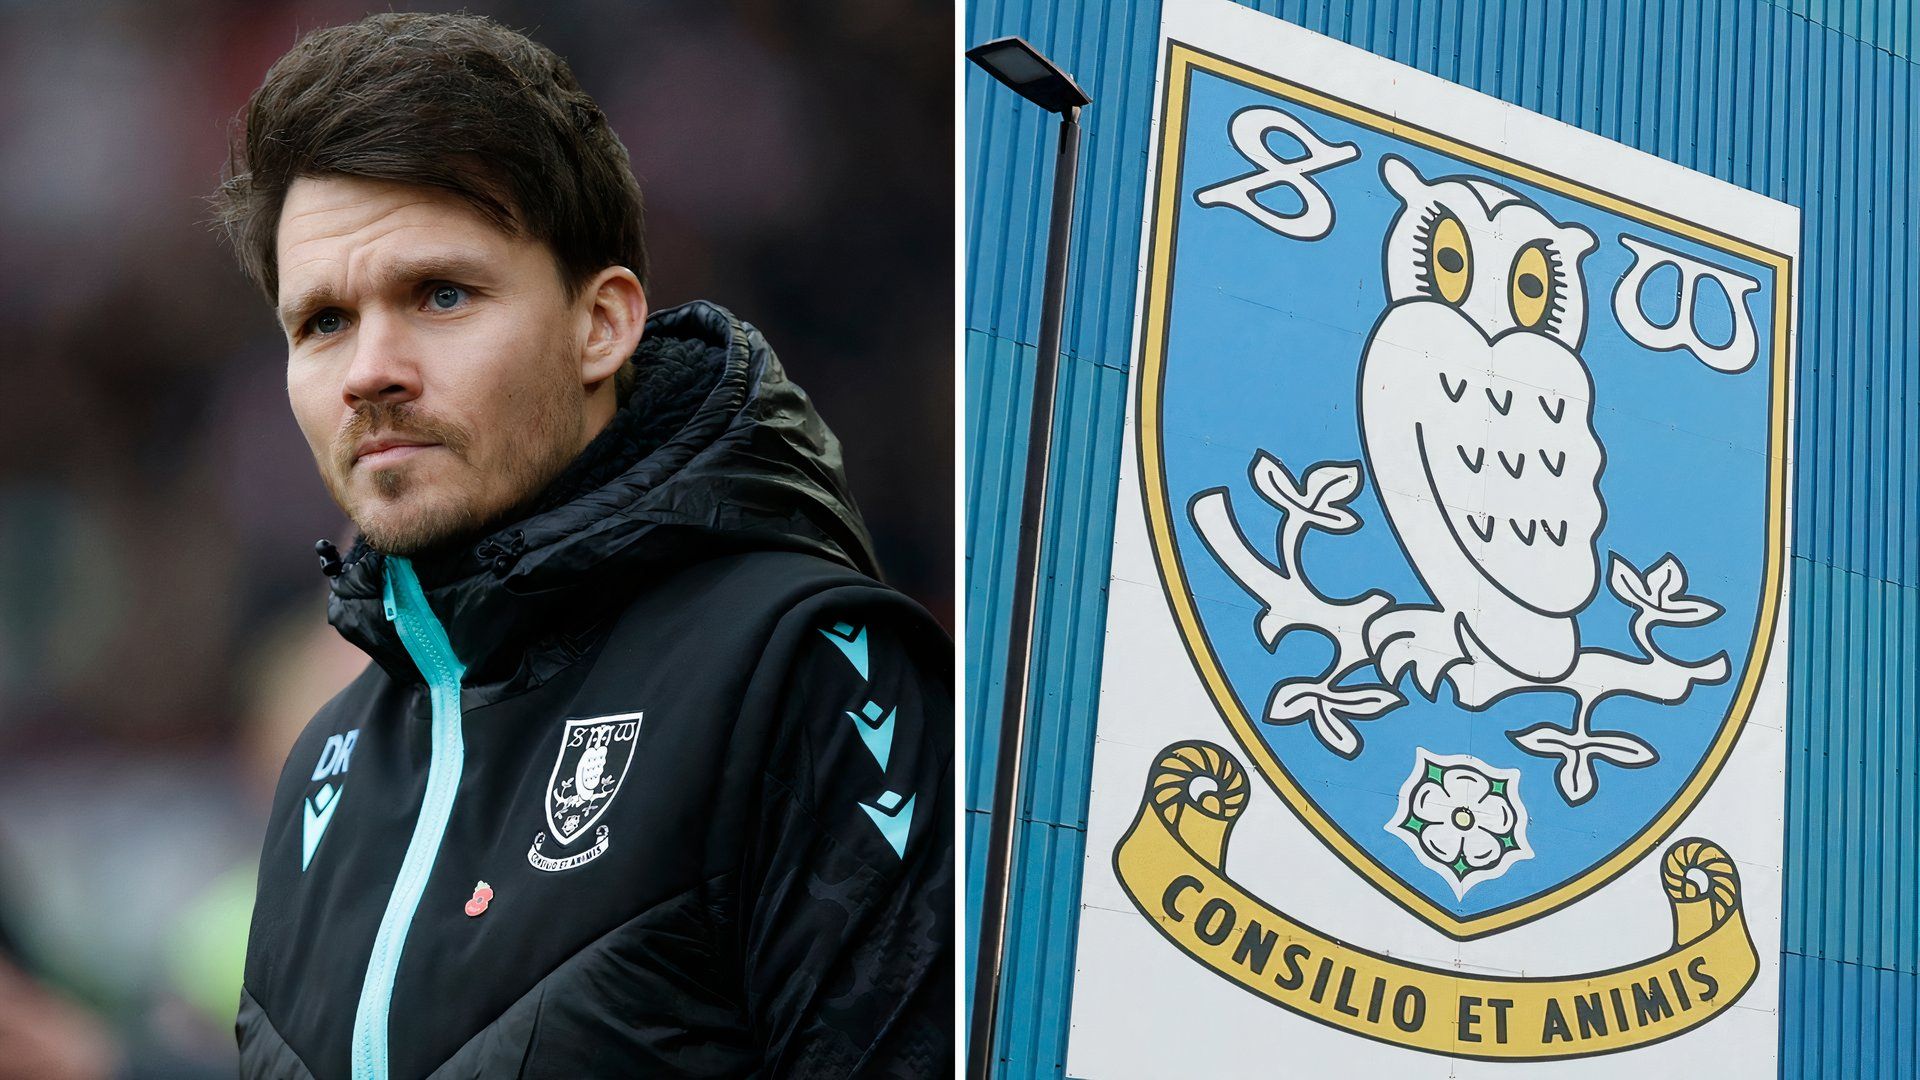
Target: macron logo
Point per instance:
(317, 810)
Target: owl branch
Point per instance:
(1290, 602)
(1658, 598)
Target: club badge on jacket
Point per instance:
(594, 757)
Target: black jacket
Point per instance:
(657, 781)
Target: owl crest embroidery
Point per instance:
(1476, 412)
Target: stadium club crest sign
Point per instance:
(1443, 702)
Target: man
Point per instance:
(650, 776)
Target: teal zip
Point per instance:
(426, 641)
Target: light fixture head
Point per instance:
(1029, 74)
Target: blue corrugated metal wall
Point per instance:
(1809, 101)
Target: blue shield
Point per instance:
(1467, 485)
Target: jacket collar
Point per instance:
(714, 451)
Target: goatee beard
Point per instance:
(428, 525)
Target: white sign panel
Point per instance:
(1441, 724)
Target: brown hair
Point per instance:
(453, 101)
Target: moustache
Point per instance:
(398, 420)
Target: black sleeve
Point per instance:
(849, 935)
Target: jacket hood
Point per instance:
(714, 451)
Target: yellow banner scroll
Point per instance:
(1172, 860)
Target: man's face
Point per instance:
(433, 361)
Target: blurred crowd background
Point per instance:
(162, 615)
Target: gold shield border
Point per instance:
(1182, 60)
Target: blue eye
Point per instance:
(447, 297)
(327, 322)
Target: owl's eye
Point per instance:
(1449, 260)
(1530, 288)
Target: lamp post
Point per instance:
(1031, 75)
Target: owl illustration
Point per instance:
(1476, 412)
(588, 771)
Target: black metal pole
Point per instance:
(1026, 584)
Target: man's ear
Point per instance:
(615, 313)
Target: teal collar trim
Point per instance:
(426, 641)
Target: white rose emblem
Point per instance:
(1463, 817)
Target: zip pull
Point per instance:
(329, 557)
(386, 591)
(499, 554)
